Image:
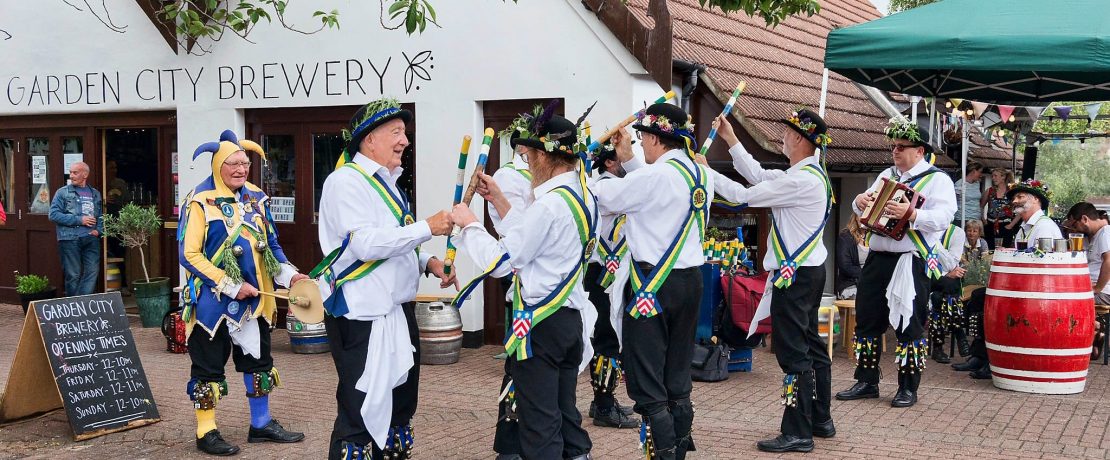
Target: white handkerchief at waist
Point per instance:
(900, 293)
(389, 356)
(247, 337)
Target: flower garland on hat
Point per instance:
(808, 126)
(903, 129)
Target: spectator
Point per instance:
(77, 212)
(851, 252)
(969, 207)
(976, 245)
(999, 222)
(1083, 217)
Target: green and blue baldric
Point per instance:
(612, 248)
(788, 262)
(523, 172)
(328, 271)
(644, 303)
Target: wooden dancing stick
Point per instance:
(483, 155)
(728, 109)
(449, 260)
(627, 121)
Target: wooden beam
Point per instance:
(167, 29)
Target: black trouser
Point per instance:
(605, 338)
(209, 353)
(872, 315)
(801, 352)
(657, 354)
(974, 310)
(945, 317)
(349, 340)
(549, 425)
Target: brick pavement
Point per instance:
(956, 416)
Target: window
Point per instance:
(326, 149)
(71, 153)
(7, 173)
(38, 153)
(279, 175)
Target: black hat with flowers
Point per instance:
(546, 131)
(906, 130)
(369, 117)
(810, 125)
(667, 121)
(1033, 187)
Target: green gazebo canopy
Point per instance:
(987, 50)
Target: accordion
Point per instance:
(875, 219)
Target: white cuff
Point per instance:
(226, 287)
(286, 274)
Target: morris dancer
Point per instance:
(947, 309)
(666, 206)
(894, 284)
(545, 247)
(229, 248)
(797, 261)
(368, 281)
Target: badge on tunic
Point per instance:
(699, 198)
(227, 209)
(590, 247)
(408, 219)
(233, 307)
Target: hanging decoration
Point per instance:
(979, 107)
(1092, 111)
(1063, 111)
(1005, 111)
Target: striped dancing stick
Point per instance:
(627, 121)
(728, 109)
(449, 260)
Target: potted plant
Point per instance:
(133, 226)
(33, 287)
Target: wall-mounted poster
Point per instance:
(38, 169)
(281, 208)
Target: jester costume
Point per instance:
(226, 240)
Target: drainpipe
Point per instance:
(690, 81)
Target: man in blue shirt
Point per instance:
(78, 212)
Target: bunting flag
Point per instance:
(1005, 111)
(955, 102)
(979, 107)
(1092, 111)
(1063, 111)
(1035, 112)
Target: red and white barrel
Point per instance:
(1039, 321)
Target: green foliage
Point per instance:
(903, 5)
(1074, 171)
(133, 226)
(1077, 123)
(772, 11)
(30, 284)
(978, 271)
(211, 18)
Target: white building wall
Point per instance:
(485, 50)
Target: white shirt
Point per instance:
(1099, 245)
(542, 242)
(1038, 226)
(951, 254)
(797, 200)
(607, 221)
(933, 216)
(349, 204)
(516, 188)
(656, 199)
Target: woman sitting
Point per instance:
(851, 252)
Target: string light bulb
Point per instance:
(1012, 118)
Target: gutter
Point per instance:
(689, 81)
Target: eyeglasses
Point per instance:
(242, 164)
(901, 147)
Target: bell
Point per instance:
(260, 245)
(237, 251)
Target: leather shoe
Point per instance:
(861, 390)
(825, 429)
(981, 373)
(971, 364)
(940, 356)
(614, 418)
(785, 443)
(213, 444)
(273, 432)
(904, 398)
(626, 410)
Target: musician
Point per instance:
(901, 269)
(946, 307)
(368, 281)
(664, 201)
(229, 249)
(612, 249)
(545, 247)
(797, 221)
(1028, 199)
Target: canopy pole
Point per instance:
(824, 92)
(963, 167)
(913, 108)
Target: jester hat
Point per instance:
(227, 146)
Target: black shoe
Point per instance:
(861, 390)
(785, 443)
(824, 430)
(940, 356)
(614, 418)
(904, 398)
(626, 410)
(981, 373)
(273, 432)
(971, 364)
(961, 344)
(213, 444)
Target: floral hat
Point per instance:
(901, 128)
(811, 126)
(1033, 187)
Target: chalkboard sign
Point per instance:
(84, 346)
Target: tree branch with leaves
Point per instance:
(773, 12)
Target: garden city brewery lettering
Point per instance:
(256, 81)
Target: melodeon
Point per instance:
(876, 220)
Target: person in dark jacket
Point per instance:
(851, 251)
(77, 211)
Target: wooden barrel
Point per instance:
(113, 278)
(306, 338)
(1039, 321)
(440, 332)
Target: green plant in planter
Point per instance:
(133, 226)
(978, 271)
(30, 284)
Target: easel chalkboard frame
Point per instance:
(33, 386)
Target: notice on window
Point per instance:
(281, 208)
(70, 158)
(38, 169)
